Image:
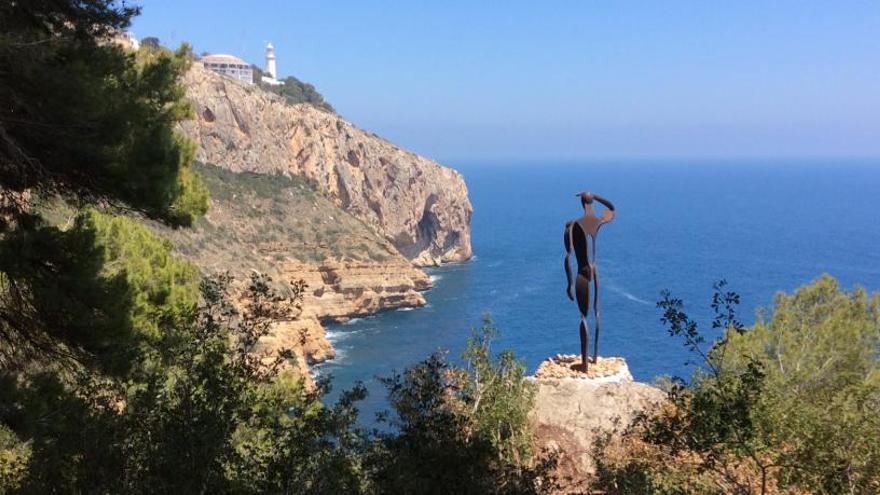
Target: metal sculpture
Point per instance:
(578, 236)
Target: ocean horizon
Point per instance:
(763, 226)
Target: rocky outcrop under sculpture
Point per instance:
(612, 369)
(421, 207)
(570, 414)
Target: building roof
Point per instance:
(221, 58)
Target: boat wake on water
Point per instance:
(629, 296)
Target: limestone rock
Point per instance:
(570, 366)
(305, 337)
(337, 291)
(418, 205)
(283, 228)
(340, 290)
(570, 414)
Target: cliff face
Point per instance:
(421, 207)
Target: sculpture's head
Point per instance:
(586, 198)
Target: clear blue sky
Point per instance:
(583, 79)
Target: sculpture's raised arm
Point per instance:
(566, 238)
(608, 214)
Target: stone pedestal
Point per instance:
(604, 370)
(573, 409)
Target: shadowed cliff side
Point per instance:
(421, 207)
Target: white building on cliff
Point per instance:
(270, 74)
(229, 65)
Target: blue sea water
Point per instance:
(762, 226)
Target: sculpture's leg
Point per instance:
(596, 314)
(582, 291)
(585, 343)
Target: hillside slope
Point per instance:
(422, 208)
(283, 227)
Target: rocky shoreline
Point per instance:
(338, 291)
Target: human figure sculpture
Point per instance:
(578, 236)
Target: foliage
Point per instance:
(225, 418)
(114, 297)
(54, 300)
(294, 91)
(151, 42)
(786, 406)
(88, 120)
(84, 117)
(205, 411)
(460, 430)
(14, 456)
(496, 395)
(162, 287)
(212, 414)
(99, 287)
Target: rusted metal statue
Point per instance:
(578, 236)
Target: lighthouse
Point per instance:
(270, 75)
(270, 61)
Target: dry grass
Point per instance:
(257, 220)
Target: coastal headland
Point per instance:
(299, 193)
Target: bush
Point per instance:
(460, 430)
(786, 406)
(295, 91)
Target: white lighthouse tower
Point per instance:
(270, 75)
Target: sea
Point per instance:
(762, 226)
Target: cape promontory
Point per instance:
(421, 207)
(298, 193)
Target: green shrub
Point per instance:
(461, 429)
(788, 405)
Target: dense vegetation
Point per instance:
(123, 370)
(293, 90)
(788, 405)
(461, 429)
(93, 123)
(84, 117)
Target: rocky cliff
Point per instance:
(422, 208)
(283, 227)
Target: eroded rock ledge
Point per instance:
(341, 290)
(337, 291)
(282, 228)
